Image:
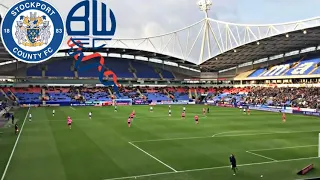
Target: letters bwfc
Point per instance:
(82, 37)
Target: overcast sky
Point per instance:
(140, 18)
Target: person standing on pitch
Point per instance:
(233, 162)
(12, 119)
(90, 115)
(16, 128)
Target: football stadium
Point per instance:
(212, 100)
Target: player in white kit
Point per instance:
(53, 111)
(30, 117)
(90, 115)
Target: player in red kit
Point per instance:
(129, 122)
(283, 117)
(248, 111)
(183, 115)
(196, 118)
(131, 116)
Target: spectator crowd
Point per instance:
(303, 97)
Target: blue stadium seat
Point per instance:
(98, 96)
(167, 74)
(59, 97)
(292, 67)
(144, 70)
(34, 71)
(156, 97)
(257, 72)
(28, 97)
(91, 72)
(181, 96)
(61, 68)
(119, 66)
(303, 68)
(317, 71)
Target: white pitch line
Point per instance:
(270, 133)
(203, 169)
(222, 133)
(172, 139)
(261, 156)
(72, 108)
(14, 147)
(153, 157)
(311, 178)
(292, 147)
(230, 135)
(227, 133)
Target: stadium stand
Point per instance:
(167, 74)
(290, 68)
(61, 68)
(34, 71)
(25, 95)
(65, 68)
(144, 70)
(304, 97)
(114, 64)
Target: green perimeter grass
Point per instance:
(99, 149)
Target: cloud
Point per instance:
(141, 18)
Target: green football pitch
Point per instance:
(157, 147)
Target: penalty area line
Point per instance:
(212, 168)
(14, 147)
(72, 108)
(261, 156)
(291, 147)
(153, 157)
(224, 134)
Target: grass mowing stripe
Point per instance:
(203, 169)
(153, 157)
(231, 135)
(14, 147)
(261, 156)
(292, 147)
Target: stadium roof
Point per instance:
(265, 48)
(215, 45)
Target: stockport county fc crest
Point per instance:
(32, 31)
